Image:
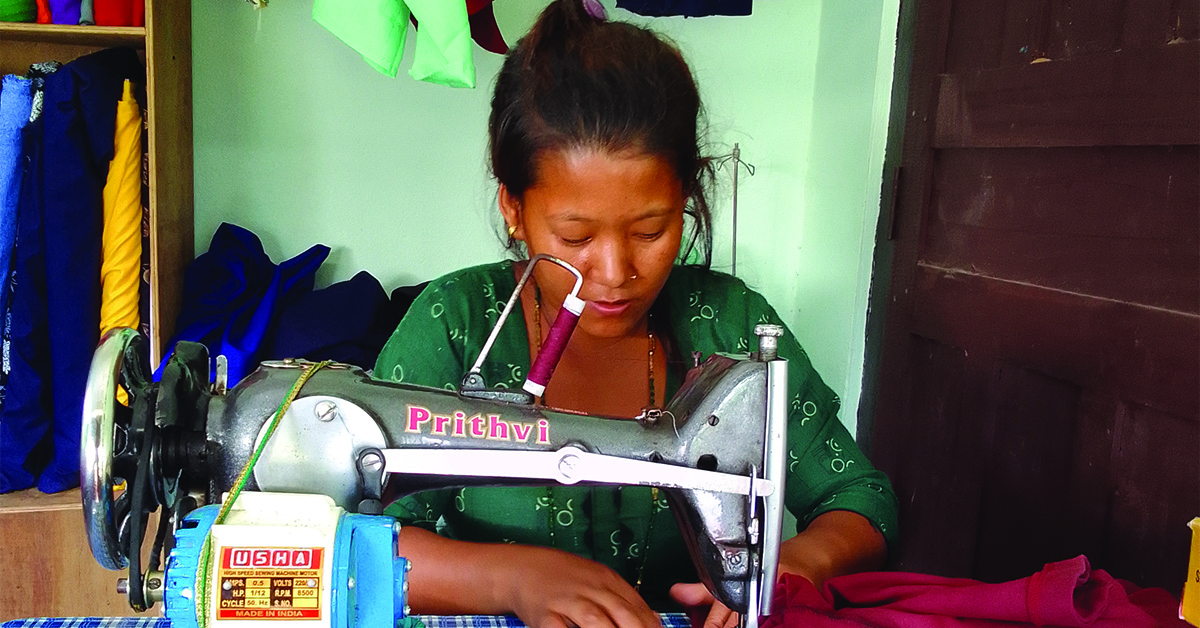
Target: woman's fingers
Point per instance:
(560, 590)
(701, 605)
(691, 594)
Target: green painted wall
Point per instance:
(298, 140)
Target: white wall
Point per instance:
(298, 140)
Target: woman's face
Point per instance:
(617, 217)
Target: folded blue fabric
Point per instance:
(234, 292)
(347, 322)
(79, 125)
(65, 11)
(686, 8)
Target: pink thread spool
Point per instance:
(552, 349)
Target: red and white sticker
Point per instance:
(269, 583)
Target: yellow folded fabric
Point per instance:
(121, 240)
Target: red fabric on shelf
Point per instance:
(113, 12)
(44, 17)
(1067, 594)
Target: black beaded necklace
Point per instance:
(552, 508)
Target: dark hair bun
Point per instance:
(577, 80)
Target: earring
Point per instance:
(511, 230)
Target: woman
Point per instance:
(593, 137)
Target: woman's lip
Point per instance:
(609, 308)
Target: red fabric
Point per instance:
(113, 12)
(1065, 594)
(44, 17)
(138, 13)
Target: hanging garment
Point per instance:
(233, 294)
(121, 248)
(43, 12)
(18, 11)
(686, 8)
(65, 11)
(377, 29)
(79, 126)
(1066, 594)
(484, 29)
(87, 13)
(23, 419)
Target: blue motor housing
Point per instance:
(368, 583)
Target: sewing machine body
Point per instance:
(713, 424)
(716, 450)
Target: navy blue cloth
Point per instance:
(347, 322)
(233, 294)
(79, 120)
(686, 8)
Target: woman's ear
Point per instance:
(510, 209)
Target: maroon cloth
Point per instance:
(1067, 594)
(484, 30)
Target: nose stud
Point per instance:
(633, 276)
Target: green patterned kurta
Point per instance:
(442, 335)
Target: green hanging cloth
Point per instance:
(376, 29)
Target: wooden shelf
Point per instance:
(100, 36)
(33, 500)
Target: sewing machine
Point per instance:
(305, 539)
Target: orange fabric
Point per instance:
(121, 241)
(43, 7)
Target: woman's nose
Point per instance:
(615, 265)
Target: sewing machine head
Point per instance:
(716, 450)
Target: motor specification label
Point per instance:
(269, 583)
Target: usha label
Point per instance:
(269, 583)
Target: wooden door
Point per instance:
(1038, 361)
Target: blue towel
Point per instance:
(16, 101)
(80, 120)
(234, 293)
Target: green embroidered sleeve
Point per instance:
(711, 312)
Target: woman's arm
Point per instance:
(837, 542)
(546, 588)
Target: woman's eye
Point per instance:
(574, 241)
(649, 236)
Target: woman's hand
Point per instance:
(556, 589)
(837, 542)
(703, 609)
(546, 588)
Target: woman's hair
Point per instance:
(578, 81)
